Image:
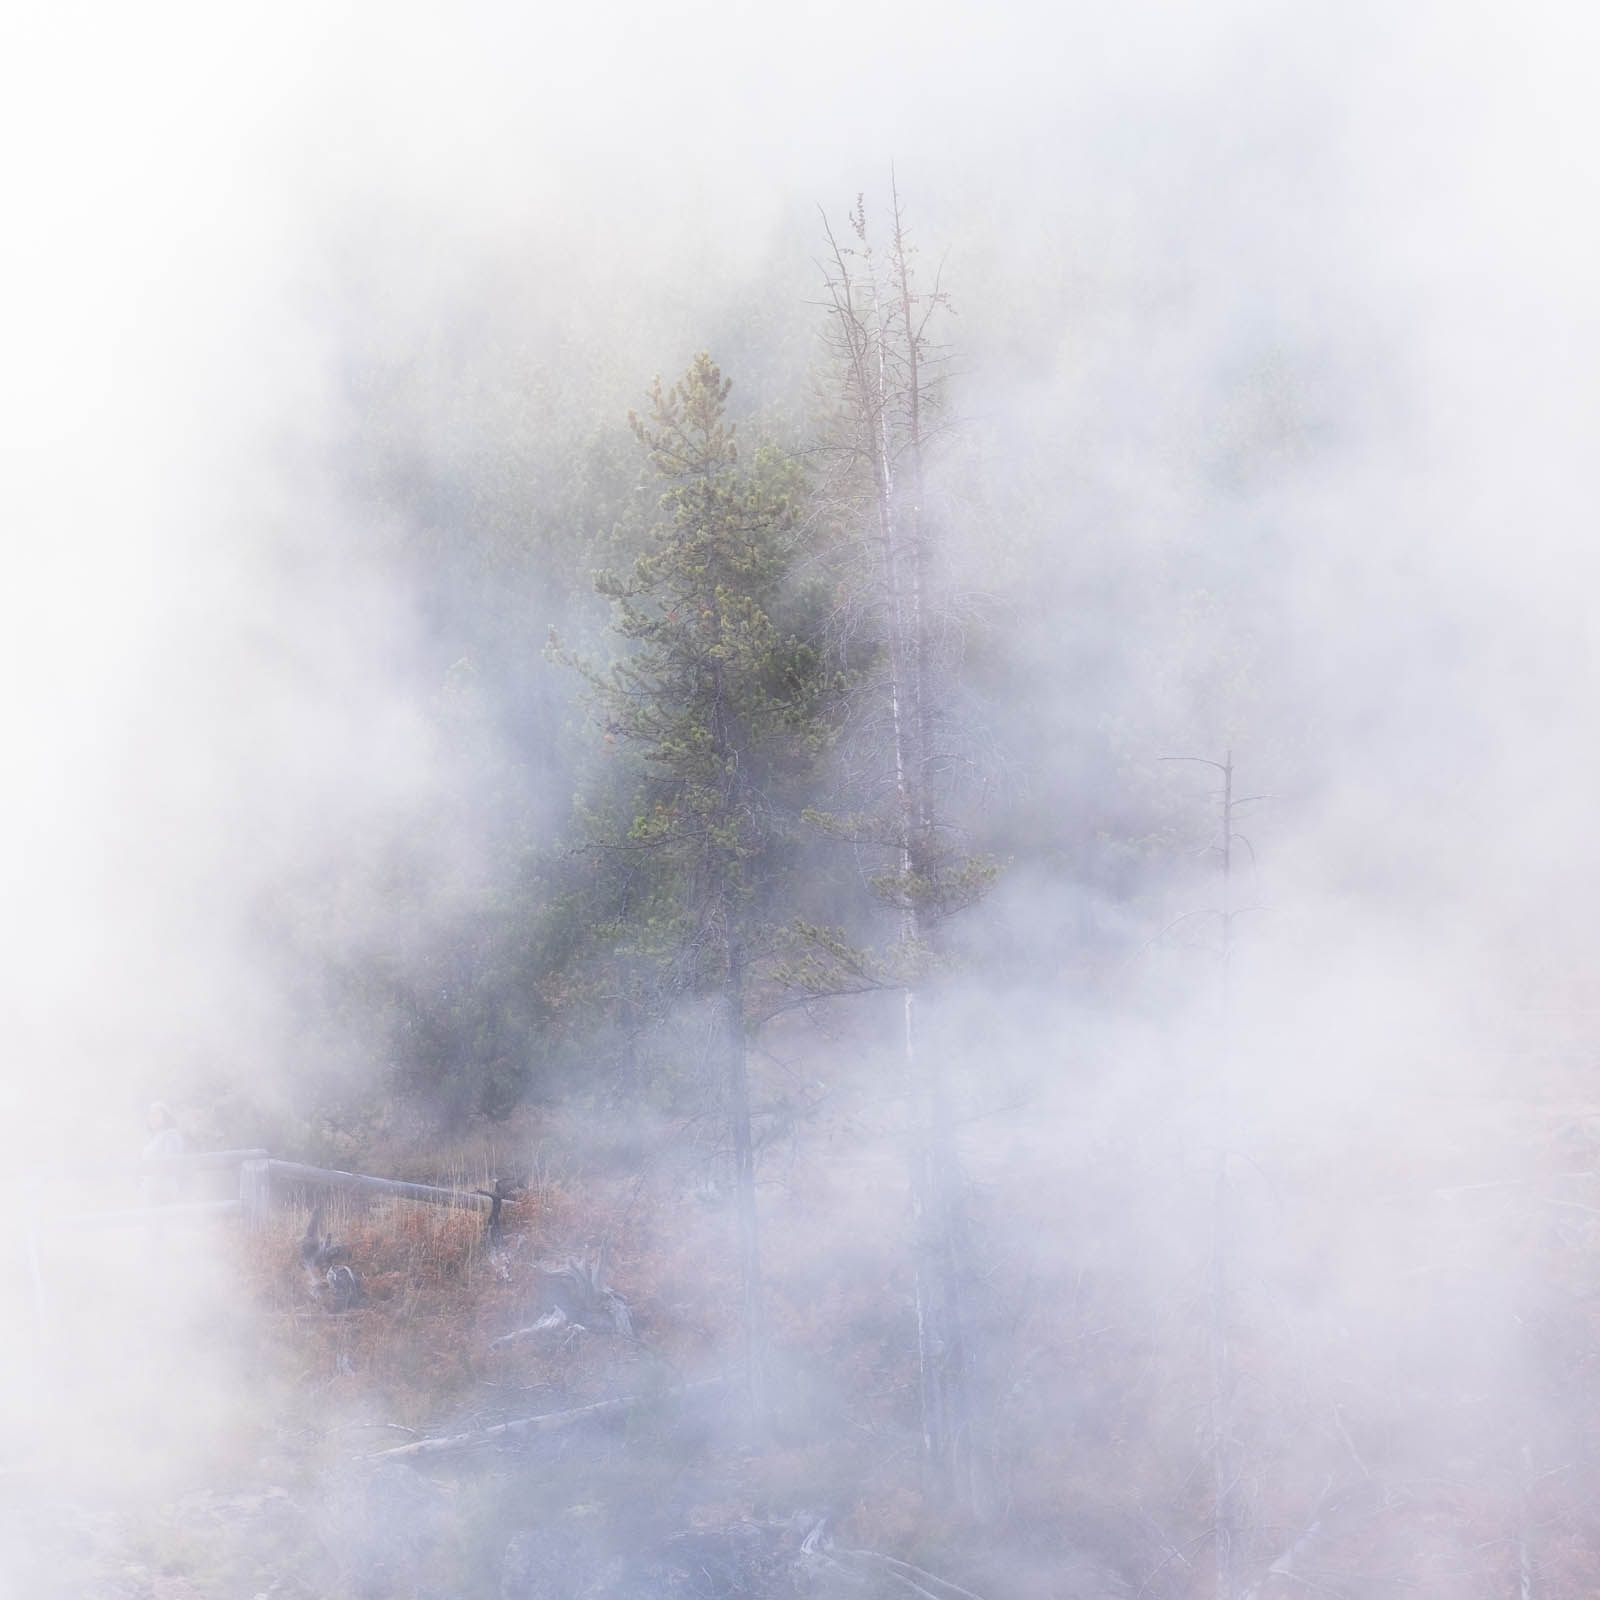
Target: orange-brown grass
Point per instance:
(417, 1354)
(400, 1356)
(419, 1358)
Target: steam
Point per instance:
(1277, 373)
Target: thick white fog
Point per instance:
(1273, 376)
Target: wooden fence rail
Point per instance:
(148, 1216)
(141, 1166)
(193, 1161)
(258, 1179)
(262, 1181)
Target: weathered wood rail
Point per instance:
(259, 1178)
(133, 1216)
(189, 1161)
(263, 1181)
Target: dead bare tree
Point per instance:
(880, 320)
(1225, 1472)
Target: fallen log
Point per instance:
(546, 1324)
(547, 1422)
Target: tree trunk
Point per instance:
(952, 1459)
(948, 1354)
(749, 1238)
(1223, 1471)
(881, 340)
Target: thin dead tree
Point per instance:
(879, 324)
(1227, 1513)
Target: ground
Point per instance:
(222, 1432)
(1410, 1390)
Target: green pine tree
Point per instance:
(725, 696)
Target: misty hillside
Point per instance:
(801, 803)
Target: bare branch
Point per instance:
(546, 1422)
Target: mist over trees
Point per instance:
(822, 726)
(559, 648)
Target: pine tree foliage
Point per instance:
(725, 696)
(724, 693)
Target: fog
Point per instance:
(1270, 381)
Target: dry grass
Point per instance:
(312, 1390)
(417, 1353)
